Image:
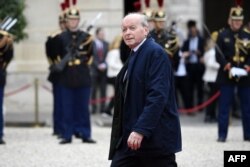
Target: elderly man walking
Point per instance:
(146, 129)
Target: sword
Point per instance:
(216, 46)
(93, 22)
(6, 23)
(4, 20)
(11, 24)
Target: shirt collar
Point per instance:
(138, 46)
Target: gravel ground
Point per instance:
(36, 147)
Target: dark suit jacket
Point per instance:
(185, 46)
(200, 66)
(148, 105)
(96, 61)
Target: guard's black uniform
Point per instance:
(52, 53)
(235, 48)
(75, 81)
(227, 43)
(6, 54)
(169, 41)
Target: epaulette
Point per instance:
(52, 35)
(6, 40)
(88, 41)
(214, 35)
(246, 30)
(172, 46)
(4, 33)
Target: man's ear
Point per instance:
(146, 29)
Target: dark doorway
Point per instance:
(216, 12)
(129, 6)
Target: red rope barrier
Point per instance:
(100, 100)
(46, 88)
(18, 90)
(201, 106)
(182, 110)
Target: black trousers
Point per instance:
(195, 73)
(211, 109)
(182, 90)
(99, 83)
(122, 159)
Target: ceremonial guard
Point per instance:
(6, 54)
(233, 55)
(150, 15)
(52, 53)
(166, 37)
(75, 49)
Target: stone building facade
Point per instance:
(42, 17)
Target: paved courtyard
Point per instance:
(29, 146)
(36, 147)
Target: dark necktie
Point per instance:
(100, 53)
(126, 73)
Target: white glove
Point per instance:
(238, 72)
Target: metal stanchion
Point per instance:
(36, 84)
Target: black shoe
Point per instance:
(221, 139)
(2, 141)
(65, 141)
(89, 140)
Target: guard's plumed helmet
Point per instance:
(160, 14)
(62, 16)
(148, 11)
(73, 13)
(236, 13)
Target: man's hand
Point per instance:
(134, 140)
(227, 67)
(102, 67)
(247, 68)
(185, 54)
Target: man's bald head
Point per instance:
(140, 17)
(134, 29)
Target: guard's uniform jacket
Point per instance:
(169, 41)
(52, 53)
(6, 54)
(76, 72)
(236, 50)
